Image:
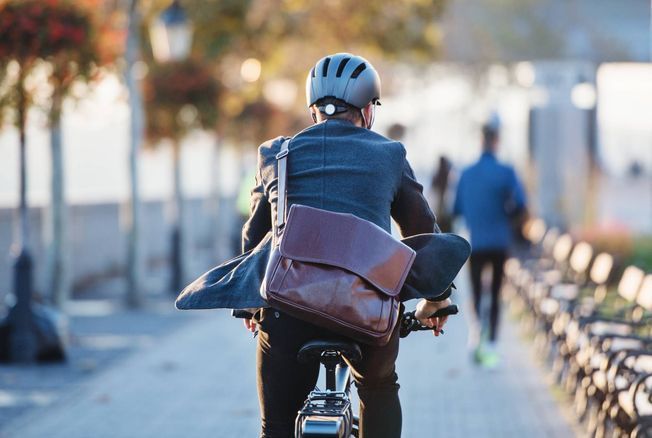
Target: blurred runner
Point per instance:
(439, 187)
(489, 196)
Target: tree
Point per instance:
(179, 96)
(51, 38)
(134, 247)
(60, 40)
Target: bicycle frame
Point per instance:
(329, 413)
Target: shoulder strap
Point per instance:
(282, 158)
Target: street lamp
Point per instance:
(171, 34)
(171, 38)
(584, 95)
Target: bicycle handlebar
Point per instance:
(410, 323)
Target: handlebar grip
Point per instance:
(446, 311)
(409, 323)
(241, 313)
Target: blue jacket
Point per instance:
(336, 166)
(488, 196)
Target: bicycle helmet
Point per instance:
(349, 78)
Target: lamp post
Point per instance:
(134, 297)
(584, 98)
(27, 333)
(171, 38)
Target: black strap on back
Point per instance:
(282, 159)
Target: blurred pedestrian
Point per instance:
(439, 187)
(396, 131)
(247, 184)
(489, 196)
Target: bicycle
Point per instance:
(329, 413)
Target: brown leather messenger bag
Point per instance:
(335, 270)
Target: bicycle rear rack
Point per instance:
(325, 414)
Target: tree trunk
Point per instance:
(177, 244)
(57, 265)
(21, 109)
(134, 248)
(215, 196)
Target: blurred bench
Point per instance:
(591, 327)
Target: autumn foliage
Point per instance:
(68, 37)
(179, 96)
(31, 29)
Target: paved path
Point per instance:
(199, 382)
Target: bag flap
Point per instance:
(348, 242)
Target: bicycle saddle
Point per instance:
(312, 350)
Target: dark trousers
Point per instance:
(480, 259)
(284, 383)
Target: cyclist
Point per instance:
(336, 164)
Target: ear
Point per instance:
(312, 113)
(368, 113)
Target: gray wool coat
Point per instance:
(337, 166)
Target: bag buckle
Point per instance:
(282, 154)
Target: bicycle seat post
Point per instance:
(330, 359)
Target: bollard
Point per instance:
(29, 335)
(176, 262)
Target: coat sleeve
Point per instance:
(410, 209)
(260, 217)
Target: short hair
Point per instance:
(489, 133)
(352, 113)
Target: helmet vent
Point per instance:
(340, 69)
(312, 72)
(362, 67)
(327, 62)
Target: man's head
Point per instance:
(343, 86)
(491, 134)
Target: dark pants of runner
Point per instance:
(284, 383)
(480, 259)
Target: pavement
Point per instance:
(192, 374)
